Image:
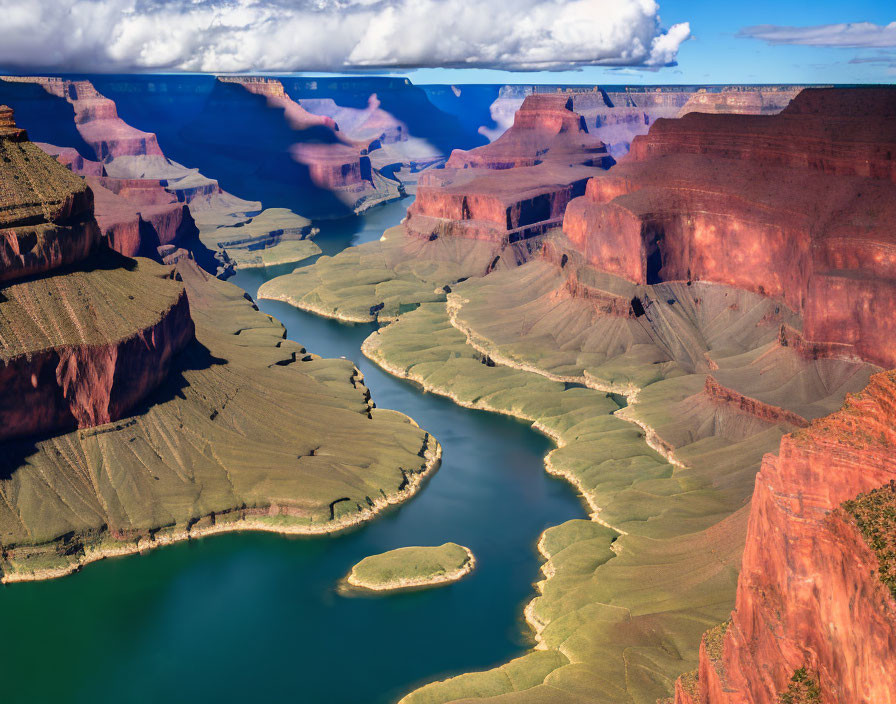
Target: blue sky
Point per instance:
(715, 54)
(495, 41)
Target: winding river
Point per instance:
(247, 617)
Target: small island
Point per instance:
(412, 567)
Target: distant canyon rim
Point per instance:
(688, 289)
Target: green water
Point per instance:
(248, 617)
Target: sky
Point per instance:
(462, 41)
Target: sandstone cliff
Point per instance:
(516, 187)
(46, 213)
(82, 346)
(743, 101)
(797, 206)
(815, 590)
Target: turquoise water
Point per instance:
(248, 617)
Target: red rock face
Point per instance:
(516, 187)
(798, 206)
(835, 131)
(46, 220)
(96, 118)
(86, 385)
(137, 216)
(545, 129)
(809, 593)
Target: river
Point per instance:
(251, 616)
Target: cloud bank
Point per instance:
(221, 36)
(851, 35)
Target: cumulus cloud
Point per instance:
(847, 35)
(220, 36)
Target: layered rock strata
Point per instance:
(742, 101)
(46, 213)
(806, 197)
(822, 506)
(122, 430)
(516, 187)
(81, 346)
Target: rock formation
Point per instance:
(823, 507)
(77, 351)
(516, 187)
(96, 119)
(46, 213)
(143, 200)
(741, 100)
(796, 206)
(143, 403)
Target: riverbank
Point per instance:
(282, 524)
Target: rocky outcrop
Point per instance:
(797, 206)
(138, 216)
(717, 393)
(96, 119)
(82, 346)
(515, 188)
(545, 129)
(741, 100)
(811, 592)
(505, 207)
(46, 212)
(65, 366)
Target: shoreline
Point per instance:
(415, 582)
(432, 454)
(322, 312)
(630, 392)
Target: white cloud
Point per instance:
(849, 35)
(220, 36)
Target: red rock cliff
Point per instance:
(798, 206)
(46, 212)
(811, 593)
(81, 345)
(516, 187)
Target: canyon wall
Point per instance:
(97, 120)
(46, 218)
(812, 593)
(515, 188)
(84, 344)
(798, 206)
(741, 100)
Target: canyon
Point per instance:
(688, 291)
(111, 364)
(729, 279)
